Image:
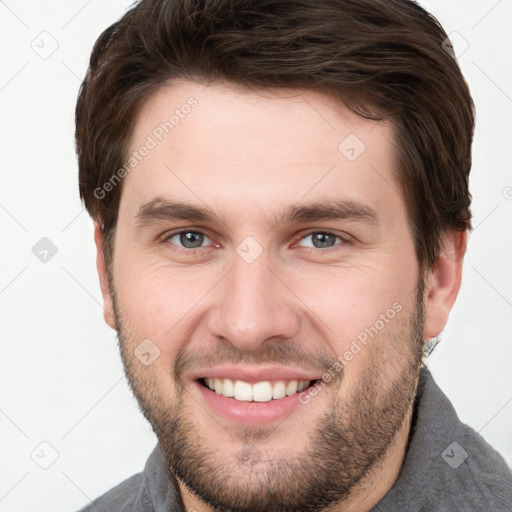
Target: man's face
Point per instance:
(262, 245)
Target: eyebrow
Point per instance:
(160, 209)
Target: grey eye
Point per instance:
(319, 240)
(189, 239)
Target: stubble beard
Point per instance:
(349, 439)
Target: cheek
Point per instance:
(159, 302)
(363, 304)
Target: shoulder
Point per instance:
(120, 498)
(148, 491)
(448, 466)
(488, 470)
(472, 474)
(475, 476)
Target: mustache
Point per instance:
(281, 354)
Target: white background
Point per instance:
(61, 376)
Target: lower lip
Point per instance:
(255, 413)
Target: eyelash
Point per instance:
(345, 240)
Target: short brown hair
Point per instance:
(384, 59)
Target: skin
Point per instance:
(248, 156)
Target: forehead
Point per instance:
(253, 150)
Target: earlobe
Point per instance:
(443, 283)
(108, 310)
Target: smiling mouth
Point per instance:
(264, 391)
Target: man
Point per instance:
(281, 206)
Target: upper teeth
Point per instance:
(257, 392)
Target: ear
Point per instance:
(108, 309)
(443, 283)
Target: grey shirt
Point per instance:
(448, 468)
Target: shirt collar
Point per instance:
(435, 426)
(159, 491)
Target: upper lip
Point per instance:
(252, 374)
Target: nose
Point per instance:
(253, 306)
